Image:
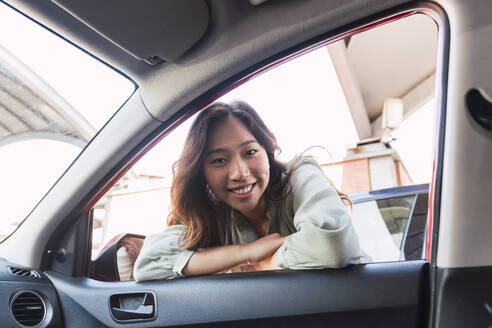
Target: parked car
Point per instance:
(180, 56)
(391, 222)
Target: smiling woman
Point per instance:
(235, 207)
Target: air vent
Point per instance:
(24, 272)
(28, 308)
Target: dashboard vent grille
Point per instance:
(24, 272)
(28, 308)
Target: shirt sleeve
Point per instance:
(325, 236)
(161, 256)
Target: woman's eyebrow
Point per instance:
(214, 151)
(248, 142)
(223, 150)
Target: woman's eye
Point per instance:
(251, 152)
(218, 160)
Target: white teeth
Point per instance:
(241, 191)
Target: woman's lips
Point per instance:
(243, 191)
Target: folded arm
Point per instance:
(252, 256)
(325, 236)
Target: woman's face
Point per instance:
(236, 167)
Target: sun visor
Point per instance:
(151, 30)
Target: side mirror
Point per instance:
(114, 265)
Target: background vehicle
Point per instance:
(178, 70)
(403, 214)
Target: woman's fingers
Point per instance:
(258, 254)
(263, 247)
(275, 235)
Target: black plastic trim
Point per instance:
(75, 240)
(462, 297)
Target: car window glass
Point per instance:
(382, 226)
(363, 107)
(413, 247)
(53, 100)
(395, 213)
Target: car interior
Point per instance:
(181, 56)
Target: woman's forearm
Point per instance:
(217, 259)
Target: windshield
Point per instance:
(53, 100)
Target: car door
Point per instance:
(413, 293)
(462, 250)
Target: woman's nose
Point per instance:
(238, 170)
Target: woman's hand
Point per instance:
(263, 248)
(259, 254)
(267, 263)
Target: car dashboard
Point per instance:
(28, 299)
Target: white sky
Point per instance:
(303, 104)
(300, 101)
(415, 142)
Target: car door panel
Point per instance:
(464, 297)
(382, 294)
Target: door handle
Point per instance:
(133, 306)
(142, 312)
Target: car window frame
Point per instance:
(431, 10)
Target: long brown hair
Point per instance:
(191, 204)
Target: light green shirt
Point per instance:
(317, 223)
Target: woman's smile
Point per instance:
(243, 192)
